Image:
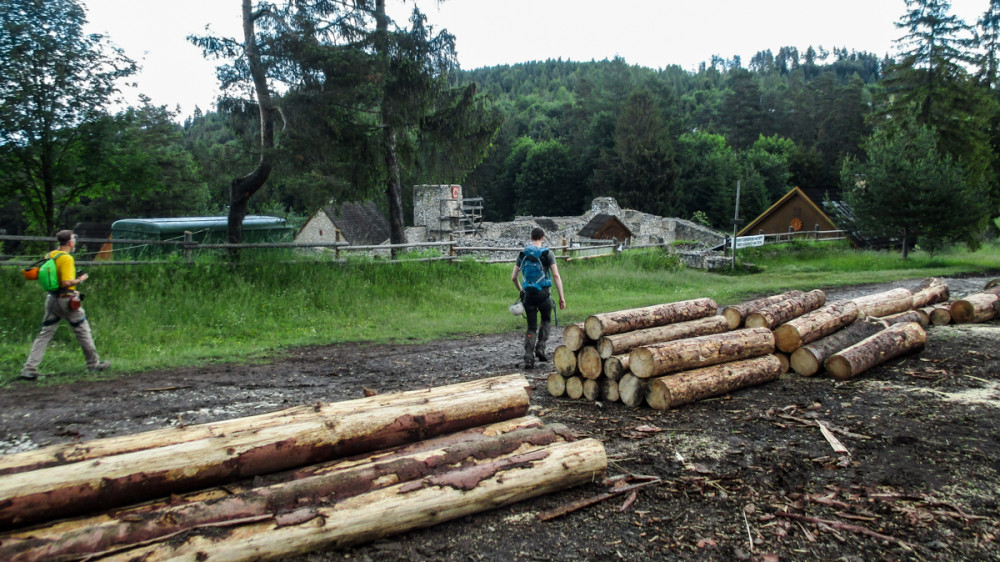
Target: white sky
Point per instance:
(651, 33)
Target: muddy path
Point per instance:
(920, 481)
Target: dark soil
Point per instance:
(920, 481)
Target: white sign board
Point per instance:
(749, 241)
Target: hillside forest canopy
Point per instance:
(329, 101)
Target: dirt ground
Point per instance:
(919, 483)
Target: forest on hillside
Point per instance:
(368, 107)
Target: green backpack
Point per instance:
(48, 275)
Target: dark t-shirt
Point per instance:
(548, 258)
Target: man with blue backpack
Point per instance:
(538, 271)
(63, 302)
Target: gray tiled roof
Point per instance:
(361, 224)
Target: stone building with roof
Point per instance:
(358, 224)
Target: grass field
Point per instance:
(161, 316)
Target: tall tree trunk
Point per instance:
(397, 233)
(241, 189)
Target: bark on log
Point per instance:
(556, 384)
(589, 362)
(932, 291)
(574, 387)
(341, 429)
(564, 360)
(618, 344)
(939, 314)
(412, 505)
(780, 312)
(975, 308)
(883, 346)
(808, 359)
(574, 337)
(632, 390)
(737, 313)
(609, 389)
(610, 323)
(683, 388)
(885, 303)
(616, 366)
(591, 390)
(702, 351)
(814, 325)
(311, 487)
(918, 316)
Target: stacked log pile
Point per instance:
(326, 476)
(665, 359)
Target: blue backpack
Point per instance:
(533, 274)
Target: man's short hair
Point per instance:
(64, 236)
(537, 233)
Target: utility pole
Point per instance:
(736, 221)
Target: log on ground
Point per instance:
(574, 387)
(616, 366)
(916, 315)
(610, 323)
(975, 308)
(885, 303)
(875, 350)
(618, 344)
(591, 390)
(701, 351)
(808, 359)
(737, 313)
(589, 362)
(345, 428)
(939, 314)
(574, 337)
(814, 325)
(683, 388)
(415, 504)
(564, 360)
(608, 389)
(932, 291)
(556, 384)
(780, 312)
(632, 390)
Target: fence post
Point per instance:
(451, 245)
(816, 230)
(187, 246)
(336, 249)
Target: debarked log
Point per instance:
(682, 388)
(415, 504)
(780, 312)
(610, 323)
(616, 366)
(808, 359)
(701, 351)
(737, 313)
(875, 350)
(618, 344)
(975, 308)
(565, 362)
(885, 303)
(315, 485)
(357, 426)
(574, 337)
(932, 291)
(814, 325)
(589, 362)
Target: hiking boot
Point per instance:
(529, 349)
(28, 376)
(99, 366)
(543, 336)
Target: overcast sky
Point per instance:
(651, 33)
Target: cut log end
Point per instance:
(804, 362)
(787, 338)
(733, 317)
(556, 384)
(589, 362)
(574, 387)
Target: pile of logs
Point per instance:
(671, 354)
(292, 481)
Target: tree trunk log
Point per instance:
(315, 485)
(785, 361)
(808, 359)
(611, 323)
(780, 312)
(918, 316)
(939, 314)
(885, 303)
(574, 387)
(616, 366)
(564, 360)
(627, 341)
(591, 390)
(415, 504)
(345, 428)
(609, 389)
(814, 325)
(632, 390)
(883, 346)
(932, 291)
(556, 384)
(683, 388)
(574, 337)
(737, 313)
(589, 362)
(702, 351)
(978, 307)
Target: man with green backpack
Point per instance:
(537, 267)
(63, 302)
